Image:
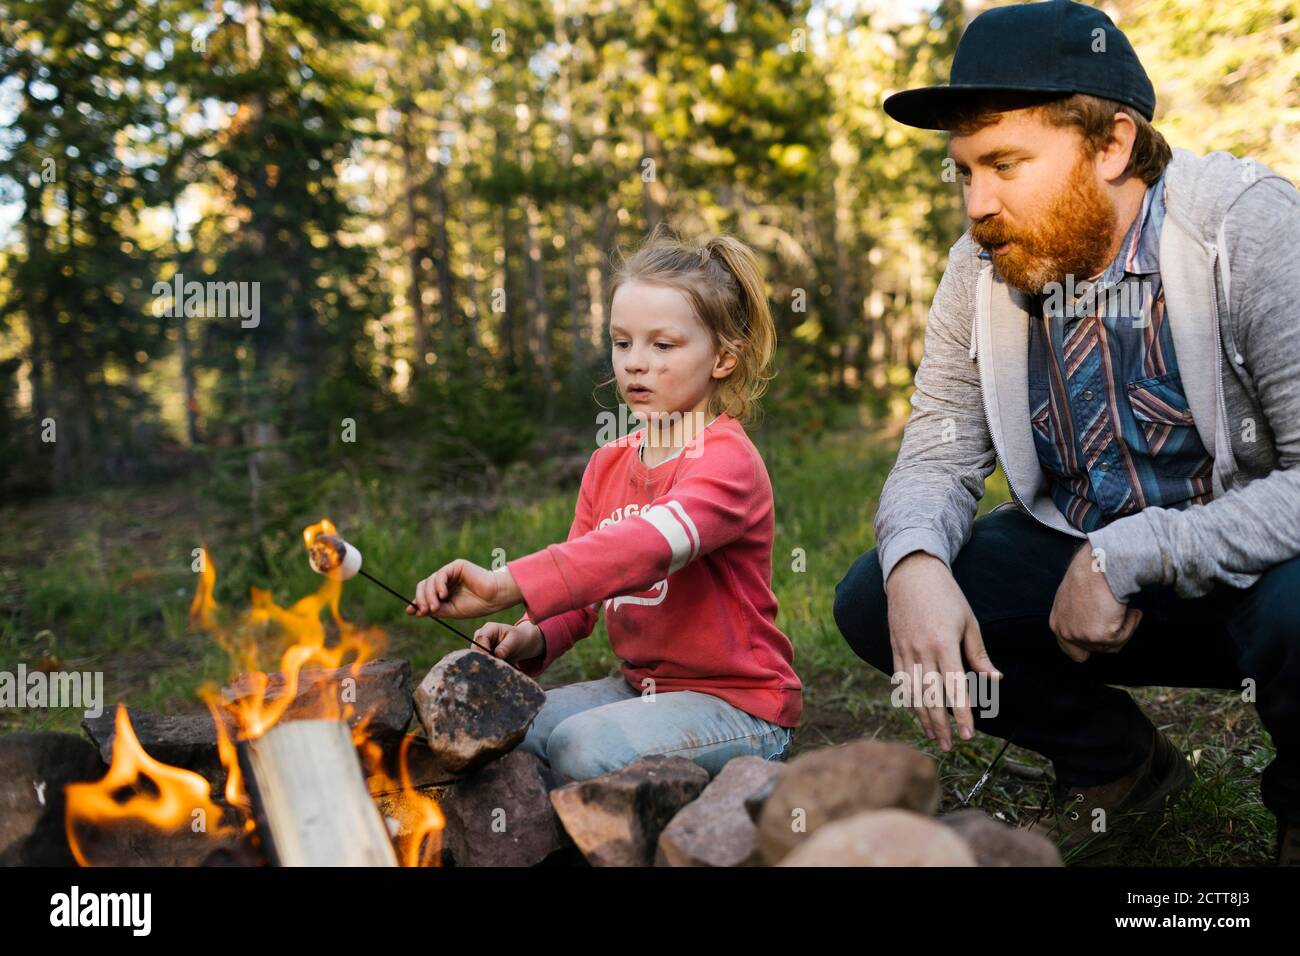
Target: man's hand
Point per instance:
(463, 589)
(1086, 618)
(930, 623)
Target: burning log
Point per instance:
(310, 798)
(376, 694)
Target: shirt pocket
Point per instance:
(1044, 429)
(1039, 406)
(1165, 420)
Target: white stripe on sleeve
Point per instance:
(689, 525)
(666, 523)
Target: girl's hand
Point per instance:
(463, 589)
(512, 642)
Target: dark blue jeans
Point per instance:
(1093, 733)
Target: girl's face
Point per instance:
(664, 357)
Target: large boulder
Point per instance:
(882, 838)
(832, 783)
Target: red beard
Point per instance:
(1073, 236)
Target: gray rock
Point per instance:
(998, 844)
(34, 769)
(502, 815)
(829, 784)
(615, 819)
(882, 838)
(475, 708)
(188, 741)
(716, 829)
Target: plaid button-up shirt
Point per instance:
(1111, 423)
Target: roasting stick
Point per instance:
(335, 558)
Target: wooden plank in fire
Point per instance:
(310, 798)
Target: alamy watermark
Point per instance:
(1132, 299)
(949, 688)
(84, 690)
(683, 430)
(214, 300)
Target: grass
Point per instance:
(103, 582)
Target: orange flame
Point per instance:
(181, 794)
(261, 703)
(203, 605)
(419, 819)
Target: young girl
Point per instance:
(672, 536)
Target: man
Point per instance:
(1120, 326)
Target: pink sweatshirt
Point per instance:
(681, 557)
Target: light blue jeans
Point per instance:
(593, 727)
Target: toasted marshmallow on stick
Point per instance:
(329, 554)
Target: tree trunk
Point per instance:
(411, 241)
(442, 258)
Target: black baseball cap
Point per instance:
(1056, 47)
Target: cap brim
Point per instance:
(923, 107)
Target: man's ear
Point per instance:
(1112, 159)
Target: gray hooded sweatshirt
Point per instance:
(1230, 267)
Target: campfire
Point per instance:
(312, 764)
(304, 765)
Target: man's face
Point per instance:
(1035, 200)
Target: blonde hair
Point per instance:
(722, 279)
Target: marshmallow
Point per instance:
(333, 557)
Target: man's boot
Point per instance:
(1137, 798)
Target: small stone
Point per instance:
(882, 838)
(997, 844)
(615, 819)
(475, 708)
(716, 829)
(832, 783)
